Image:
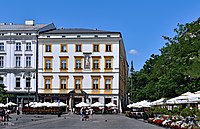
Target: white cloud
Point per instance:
(132, 52)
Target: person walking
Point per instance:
(91, 113)
(81, 113)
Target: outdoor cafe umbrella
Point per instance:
(158, 102)
(82, 104)
(57, 104)
(111, 105)
(10, 104)
(2, 105)
(97, 104)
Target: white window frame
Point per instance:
(1, 61)
(28, 61)
(18, 61)
(1, 46)
(18, 46)
(28, 46)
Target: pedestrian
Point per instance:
(81, 113)
(91, 113)
(18, 112)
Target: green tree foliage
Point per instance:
(2, 93)
(175, 71)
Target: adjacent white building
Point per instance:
(41, 63)
(82, 65)
(18, 44)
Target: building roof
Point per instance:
(78, 31)
(20, 27)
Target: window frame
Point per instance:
(78, 46)
(49, 84)
(50, 58)
(106, 90)
(110, 68)
(28, 61)
(28, 46)
(66, 82)
(108, 47)
(2, 47)
(1, 61)
(81, 82)
(98, 48)
(48, 46)
(18, 61)
(61, 46)
(18, 46)
(66, 60)
(17, 82)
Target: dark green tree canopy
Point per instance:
(176, 70)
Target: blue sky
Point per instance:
(141, 22)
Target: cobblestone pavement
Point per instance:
(73, 122)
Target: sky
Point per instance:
(141, 22)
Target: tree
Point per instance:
(176, 69)
(2, 93)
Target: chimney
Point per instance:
(29, 22)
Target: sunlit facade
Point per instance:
(82, 65)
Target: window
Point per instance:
(18, 47)
(28, 33)
(1, 61)
(48, 48)
(95, 84)
(108, 84)
(63, 84)
(28, 82)
(78, 82)
(78, 48)
(63, 47)
(96, 48)
(96, 64)
(28, 61)
(78, 64)
(18, 61)
(17, 82)
(63, 64)
(1, 46)
(48, 82)
(18, 33)
(48, 63)
(108, 64)
(28, 46)
(108, 48)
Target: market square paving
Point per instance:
(71, 121)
